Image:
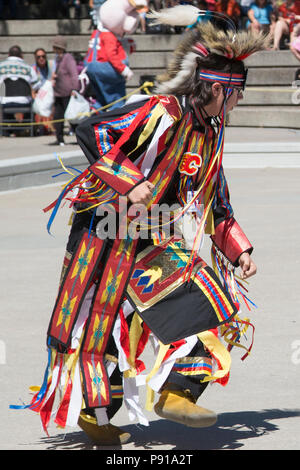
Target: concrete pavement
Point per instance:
(260, 407)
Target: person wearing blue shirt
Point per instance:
(261, 16)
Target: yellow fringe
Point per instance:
(150, 395)
(218, 350)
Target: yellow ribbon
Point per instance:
(218, 350)
(163, 348)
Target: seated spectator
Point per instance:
(295, 43)
(288, 18)
(261, 17)
(43, 67)
(245, 7)
(230, 8)
(143, 25)
(15, 67)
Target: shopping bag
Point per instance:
(77, 109)
(44, 100)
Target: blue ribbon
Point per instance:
(55, 209)
(42, 391)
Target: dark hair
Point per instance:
(15, 51)
(200, 89)
(39, 49)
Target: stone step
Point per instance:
(268, 96)
(271, 76)
(153, 42)
(272, 59)
(149, 42)
(144, 43)
(152, 63)
(44, 27)
(265, 116)
(267, 77)
(75, 43)
(282, 77)
(264, 96)
(76, 30)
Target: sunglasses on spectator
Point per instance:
(41, 56)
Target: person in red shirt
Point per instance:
(288, 18)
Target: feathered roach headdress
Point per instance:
(203, 44)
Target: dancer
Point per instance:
(128, 279)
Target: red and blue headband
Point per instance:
(236, 80)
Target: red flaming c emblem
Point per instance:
(190, 163)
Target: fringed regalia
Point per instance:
(143, 281)
(118, 294)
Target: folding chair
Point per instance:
(8, 110)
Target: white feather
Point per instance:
(188, 65)
(180, 15)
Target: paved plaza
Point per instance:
(259, 409)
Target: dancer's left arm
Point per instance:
(248, 267)
(229, 236)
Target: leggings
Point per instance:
(60, 106)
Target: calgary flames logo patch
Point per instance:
(190, 163)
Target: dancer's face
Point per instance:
(234, 98)
(215, 106)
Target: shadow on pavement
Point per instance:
(230, 432)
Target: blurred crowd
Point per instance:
(37, 9)
(64, 75)
(51, 83)
(278, 17)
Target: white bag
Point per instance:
(77, 109)
(44, 100)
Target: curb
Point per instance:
(17, 173)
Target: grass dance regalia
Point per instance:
(118, 293)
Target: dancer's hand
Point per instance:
(141, 194)
(247, 265)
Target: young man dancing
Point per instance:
(119, 291)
